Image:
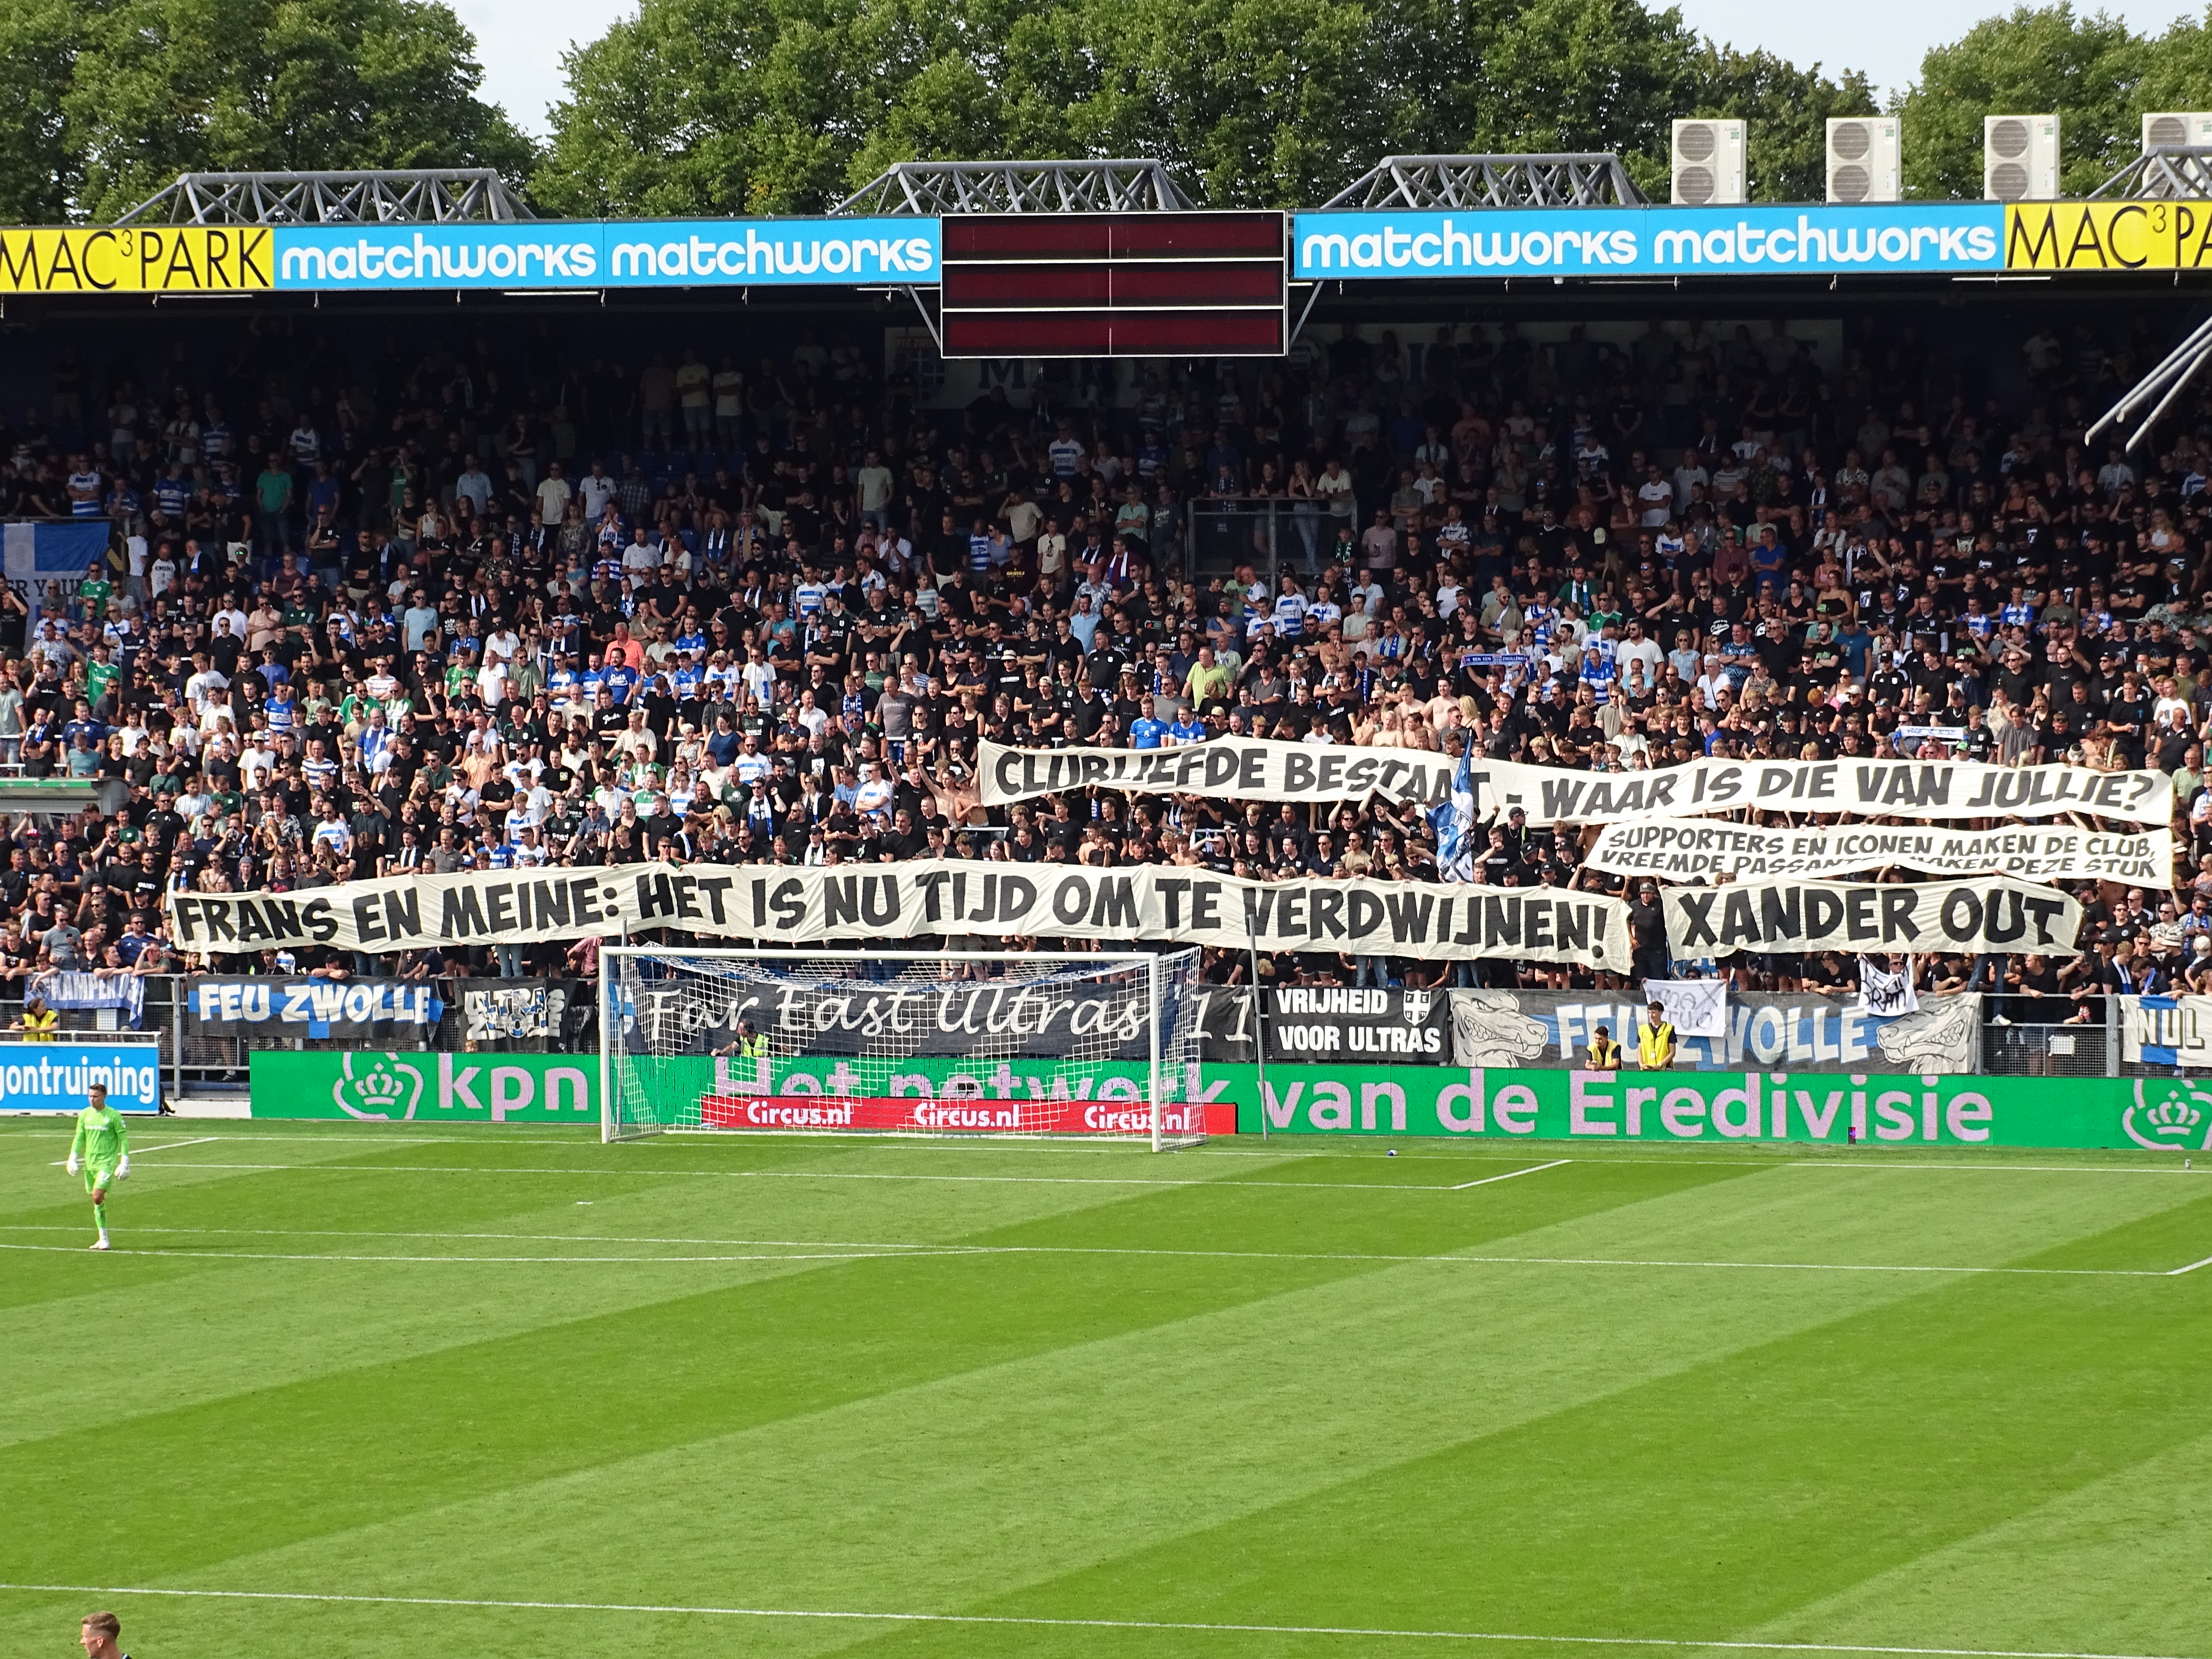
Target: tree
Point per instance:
(102, 105)
(38, 175)
(713, 107)
(1787, 111)
(2032, 60)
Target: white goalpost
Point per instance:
(905, 1043)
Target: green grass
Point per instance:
(1079, 1401)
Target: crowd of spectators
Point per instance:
(492, 603)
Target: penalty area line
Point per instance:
(1534, 1169)
(1040, 1621)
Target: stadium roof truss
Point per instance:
(2165, 173)
(1585, 178)
(951, 188)
(428, 195)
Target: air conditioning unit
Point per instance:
(2020, 158)
(1709, 170)
(2176, 132)
(1864, 162)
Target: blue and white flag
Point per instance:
(1453, 821)
(46, 563)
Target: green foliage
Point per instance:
(106, 104)
(37, 51)
(1788, 109)
(2089, 68)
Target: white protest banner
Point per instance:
(1261, 769)
(1229, 768)
(1694, 1007)
(1698, 849)
(859, 904)
(1996, 914)
(1887, 990)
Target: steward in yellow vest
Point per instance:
(1604, 1053)
(1654, 1041)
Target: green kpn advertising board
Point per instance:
(2162, 1114)
(2159, 1114)
(398, 1086)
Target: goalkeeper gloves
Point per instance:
(72, 1162)
(123, 1168)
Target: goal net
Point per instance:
(901, 1042)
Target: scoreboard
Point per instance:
(1116, 285)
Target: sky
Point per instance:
(521, 41)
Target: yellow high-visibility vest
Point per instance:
(1655, 1046)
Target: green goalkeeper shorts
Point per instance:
(99, 1177)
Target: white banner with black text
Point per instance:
(1995, 913)
(1698, 849)
(1265, 768)
(878, 903)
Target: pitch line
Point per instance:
(1035, 1621)
(828, 1250)
(2190, 1268)
(1225, 1183)
(1534, 1169)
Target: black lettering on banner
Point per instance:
(463, 916)
(1144, 904)
(1998, 912)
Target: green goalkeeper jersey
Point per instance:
(99, 1143)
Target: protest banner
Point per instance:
(1996, 914)
(870, 903)
(1261, 769)
(1696, 849)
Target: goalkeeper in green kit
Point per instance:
(101, 1149)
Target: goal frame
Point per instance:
(610, 1016)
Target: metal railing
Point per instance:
(1271, 533)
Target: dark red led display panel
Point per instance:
(1116, 285)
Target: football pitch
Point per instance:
(360, 1391)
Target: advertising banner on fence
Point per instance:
(1553, 1029)
(550, 253)
(1673, 242)
(403, 1086)
(895, 902)
(525, 1011)
(1031, 1095)
(359, 1010)
(1265, 768)
(53, 1077)
(1998, 913)
(1877, 1109)
(1694, 849)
